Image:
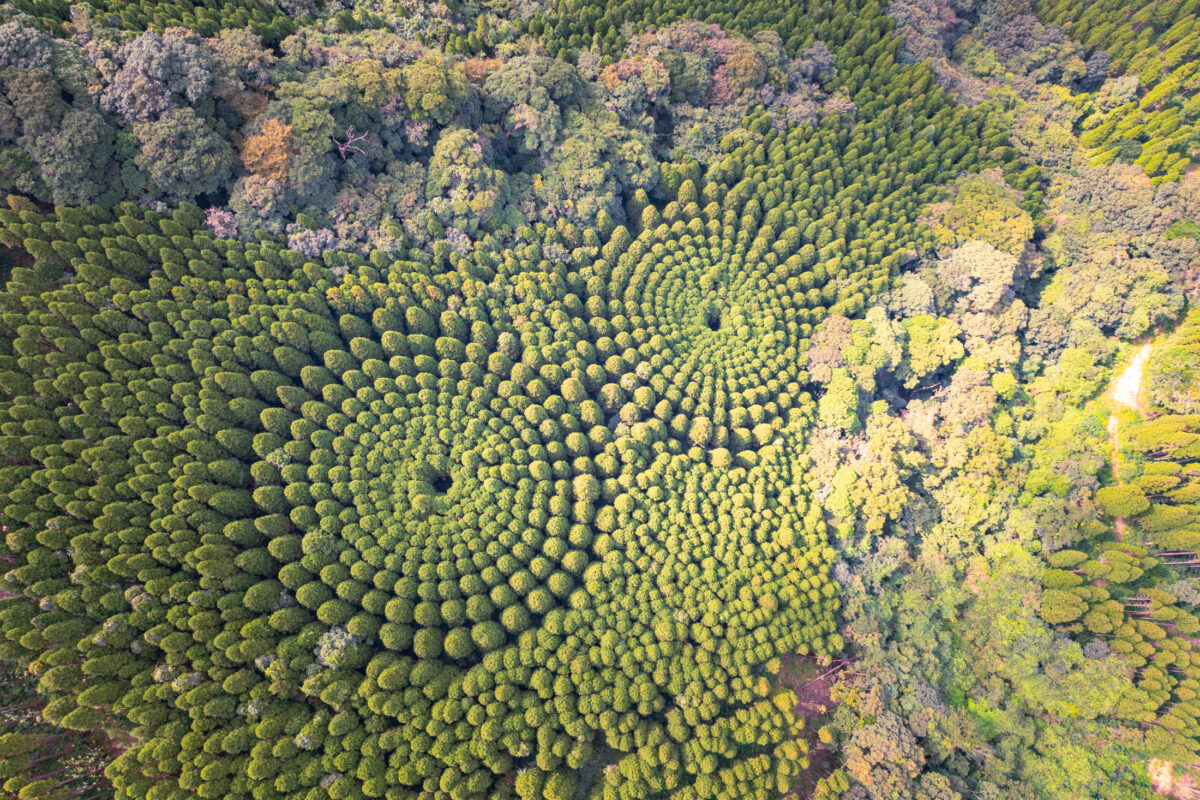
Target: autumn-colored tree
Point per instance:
(268, 153)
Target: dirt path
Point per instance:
(813, 687)
(1126, 391)
(1114, 442)
(1127, 388)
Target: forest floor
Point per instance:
(1169, 781)
(1126, 392)
(813, 686)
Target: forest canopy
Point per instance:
(564, 400)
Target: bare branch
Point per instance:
(350, 145)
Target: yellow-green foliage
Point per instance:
(1173, 369)
(403, 526)
(1114, 590)
(982, 206)
(528, 519)
(1152, 120)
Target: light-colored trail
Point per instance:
(1127, 388)
(1126, 391)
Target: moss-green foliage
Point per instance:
(328, 519)
(832, 786)
(1112, 590)
(420, 524)
(50, 14)
(1113, 598)
(1183, 229)
(1172, 373)
(264, 17)
(415, 457)
(1148, 115)
(982, 207)
(1163, 450)
(1122, 501)
(575, 24)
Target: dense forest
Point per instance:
(582, 400)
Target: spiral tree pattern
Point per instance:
(532, 522)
